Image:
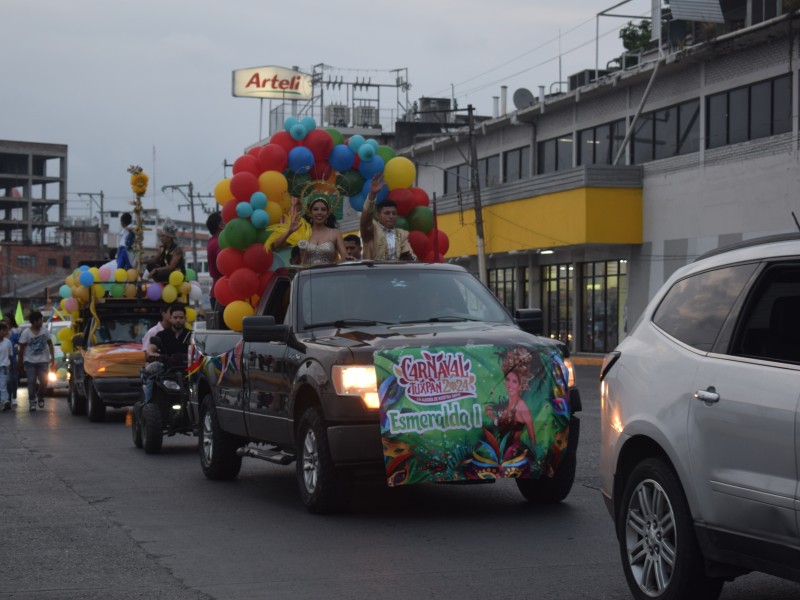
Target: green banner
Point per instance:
(456, 413)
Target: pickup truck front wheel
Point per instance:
(551, 490)
(96, 407)
(218, 457)
(323, 487)
(77, 404)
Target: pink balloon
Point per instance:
(104, 274)
(70, 304)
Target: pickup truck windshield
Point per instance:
(387, 296)
(123, 328)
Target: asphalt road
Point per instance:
(84, 514)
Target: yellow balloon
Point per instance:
(275, 212)
(399, 172)
(222, 191)
(70, 281)
(130, 290)
(188, 326)
(64, 333)
(185, 288)
(285, 202)
(235, 312)
(98, 290)
(191, 314)
(169, 294)
(120, 275)
(273, 184)
(176, 278)
(132, 275)
(96, 272)
(66, 347)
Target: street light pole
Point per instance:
(476, 196)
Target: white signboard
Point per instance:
(272, 82)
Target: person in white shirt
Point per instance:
(160, 326)
(5, 366)
(36, 356)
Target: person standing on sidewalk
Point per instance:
(36, 356)
(5, 366)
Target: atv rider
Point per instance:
(171, 342)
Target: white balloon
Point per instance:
(195, 293)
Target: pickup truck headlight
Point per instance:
(571, 371)
(357, 381)
(52, 377)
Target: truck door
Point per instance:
(267, 378)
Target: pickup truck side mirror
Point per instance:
(263, 329)
(530, 320)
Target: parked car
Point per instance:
(700, 434)
(57, 376)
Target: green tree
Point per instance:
(635, 36)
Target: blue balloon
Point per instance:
(259, 218)
(65, 291)
(309, 123)
(366, 152)
(357, 202)
(301, 159)
(373, 143)
(86, 278)
(370, 168)
(341, 158)
(298, 132)
(244, 210)
(356, 142)
(382, 194)
(84, 267)
(289, 123)
(258, 200)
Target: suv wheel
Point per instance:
(77, 404)
(218, 457)
(96, 408)
(551, 490)
(150, 424)
(660, 555)
(136, 425)
(323, 488)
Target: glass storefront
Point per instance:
(504, 283)
(604, 296)
(558, 309)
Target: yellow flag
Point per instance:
(18, 316)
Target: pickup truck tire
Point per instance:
(136, 426)
(76, 403)
(218, 457)
(152, 437)
(551, 490)
(95, 407)
(323, 487)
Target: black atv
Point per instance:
(166, 413)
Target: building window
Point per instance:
(26, 261)
(751, 112)
(517, 164)
(66, 262)
(503, 283)
(489, 171)
(667, 132)
(764, 10)
(456, 179)
(603, 300)
(557, 303)
(52, 262)
(600, 145)
(555, 154)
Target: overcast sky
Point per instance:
(114, 79)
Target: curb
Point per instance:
(588, 359)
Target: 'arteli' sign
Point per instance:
(272, 82)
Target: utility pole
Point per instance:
(190, 200)
(476, 196)
(91, 196)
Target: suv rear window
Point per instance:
(695, 308)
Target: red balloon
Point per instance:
(257, 258)
(229, 210)
(254, 151)
(244, 283)
(273, 157)
(419, 242)
(230, 260)
(321, 169)
(320, 143)
(243, 185)
(419, 197)
(284, 139)
(247, 164)
(439, 237)
(404, 200)
(222, 291)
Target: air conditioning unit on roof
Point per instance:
(365, 116)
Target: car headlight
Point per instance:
(52, 377)
(172, 385)
(357, 380)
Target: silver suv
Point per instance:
(700, 440)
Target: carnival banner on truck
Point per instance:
(272, 82)
(471, 412)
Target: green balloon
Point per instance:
(222, 239)
(262, 235)
(386, 153)
(240, 233)
(117, 290)
(337, 137)
(298, 183)
(350, 182)
(402, 223)
(421, 219)
(190, 275)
